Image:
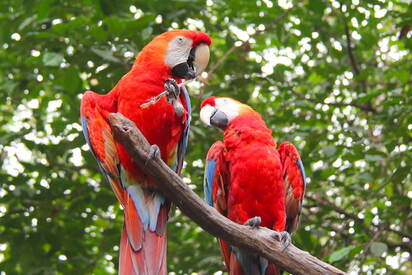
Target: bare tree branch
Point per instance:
(349, 47)
(354, 63)
(260, 241)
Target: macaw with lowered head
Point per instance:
(251, 180)
(164, 63)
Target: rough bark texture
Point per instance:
(256, 240)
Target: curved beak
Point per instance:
(214, 117)
(195, 64)
(219, 119)
(201, 57)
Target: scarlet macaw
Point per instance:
(168, 59)
(248, 176)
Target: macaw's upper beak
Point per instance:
(195, 64)
(219, 119)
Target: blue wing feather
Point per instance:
(148, 215)
(302, 170)
(208, 180)
(86, 131)
(182, 146)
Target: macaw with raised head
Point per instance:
(250, 180)
(165, 62)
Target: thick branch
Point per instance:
(259, 241)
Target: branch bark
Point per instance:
(259, 241)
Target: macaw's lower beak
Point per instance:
(219, 119)
(183, 70)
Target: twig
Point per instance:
(259, 241)
(363, 256)
(350, 50)
(352, 56)
(155, 99)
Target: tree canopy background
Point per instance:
(332, 77)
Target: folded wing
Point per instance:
(294, 179)
(143, 239)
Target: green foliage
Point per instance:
(332, 78)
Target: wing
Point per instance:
(215, 184)
(143, 241)
(181, 149)
(216, 178)
(98, 135)
(295, 184)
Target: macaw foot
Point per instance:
(253, 222)
(172, 88)
(178, 107)
(173, 91)
(154, 153)
(283, 237)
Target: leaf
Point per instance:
(317, 6)
(52, 59)
(70, 80)
(107, 55)
(329, 150)
(26, 22)
(340, 254)
(147, 32)
(369, 96)
(365, 177)
(315, 78)
(403, 76)
(374, 157)
(378, 248)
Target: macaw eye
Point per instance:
(180, 40)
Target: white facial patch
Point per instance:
(178, 51)
(227, 106)
(205, 113)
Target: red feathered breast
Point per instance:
(256, 185)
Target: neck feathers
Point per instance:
(249, 128)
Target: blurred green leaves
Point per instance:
(52, 59)
(353, 130)
(378, 248)
(341, 253)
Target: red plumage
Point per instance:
(247, 175)
(143, 244)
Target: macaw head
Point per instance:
(183, 54)
(221, 111)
